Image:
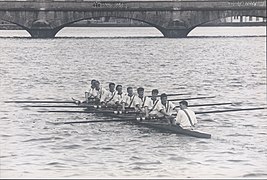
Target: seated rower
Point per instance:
(186, 118)
(165, 108)
(109, 97)
(151, 104)
(89, 96)
(100, 92)
(140, 100)
(128, 99)
(119, 96)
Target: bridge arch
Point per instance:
(69, 23)
(213, 16)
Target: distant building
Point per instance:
(246, 19)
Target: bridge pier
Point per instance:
(175, 33)
(42, 33)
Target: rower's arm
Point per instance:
(123, 106)
(86, 96)
(162, 111)
(146, 111)
(168, 116)
(139, 107)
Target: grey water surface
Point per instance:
(229, 63)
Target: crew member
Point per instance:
(100, 92)
(109, 96)
(186, 118)
(140, 100)
(89, 96)
(151, 103)
(166, 108)
(119, 96)
(128, 100)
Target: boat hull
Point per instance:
(157, 124)
(175, 129)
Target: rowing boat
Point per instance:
(130, 116)
(156, 123)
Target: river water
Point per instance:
(229, 63)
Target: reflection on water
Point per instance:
(233, 69)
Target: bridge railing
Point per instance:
(83, 5)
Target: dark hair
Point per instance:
(118, 86)
(140, 89)
(111, 84)
(184, 102)
(97, 82)
(93, 81)
(163, 95)
(129, 88)
(155, 91)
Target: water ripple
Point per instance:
(233, 69)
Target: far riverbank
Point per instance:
(15, 27)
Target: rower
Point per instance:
(109, 97)
(139, 101)
(100, 92)
(165, 108)
(186, 118)
(119, 96)
(128, 100)
(151, 103)
(89, 96)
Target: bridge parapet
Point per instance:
(132, 5)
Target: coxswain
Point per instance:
(186, 118)
(166, 108)
(151, 103)
(128, 100)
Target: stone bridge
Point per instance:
(174, 19)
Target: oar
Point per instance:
(212, 104)
(95, 121)
(102, 111)
(37, 101)
(44, 101)
(174, 94)
(79, 106)
(113, 120)
(204, 97)
(231, 110)
(60, 106)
